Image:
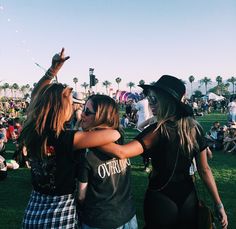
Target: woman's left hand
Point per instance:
(57, 61)
(222, 218)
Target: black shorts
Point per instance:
(161, 212)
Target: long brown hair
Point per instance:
(46, 115)
(106, 109)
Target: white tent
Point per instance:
(215, 97)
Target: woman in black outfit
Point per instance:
(53, 152)
(173, 142)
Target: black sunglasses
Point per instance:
(87, 112)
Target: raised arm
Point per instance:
(57, 62)
(205, 173)
(90, 139)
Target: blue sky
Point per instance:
(130, 39)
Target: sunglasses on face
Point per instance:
(87, 112)
(152, 100)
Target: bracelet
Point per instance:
(219, 206)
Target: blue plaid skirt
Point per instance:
(44, 211)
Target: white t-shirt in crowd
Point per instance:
(144, 111)
(232, 107)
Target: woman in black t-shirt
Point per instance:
(172, 143)
(51, 152)
(104, 181)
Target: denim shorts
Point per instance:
(132, 224)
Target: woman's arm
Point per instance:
(142, 142)
(205, 173)
(128, 150)
(90, 139)
(57, 62)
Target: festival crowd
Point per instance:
(81, 168)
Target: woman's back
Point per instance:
(54, 174)
(108, 202)
(104, 181)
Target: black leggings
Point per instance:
(160, 212)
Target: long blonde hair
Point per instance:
(187, 127)
(46, 116)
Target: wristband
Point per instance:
(219, 206)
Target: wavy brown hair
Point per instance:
(46, 116)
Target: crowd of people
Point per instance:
(222, 137)
(68, 142)
(10, 129)
(138, 110)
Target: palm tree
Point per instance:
(191, 79)
(11, 89)
(198, 94)
(106, 84)
(15, 87)
(141, 82)
(23, 90)
(75, 81)
(5, 87)
(130, 85)
(205, 81)
(85, 85)
(27, 86)
(118, 80)
(232, 80)
(219, 81)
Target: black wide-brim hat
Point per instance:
(169, 84)
(174, 87)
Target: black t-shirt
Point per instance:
(164, 151)
(108, 202)
(55, 174)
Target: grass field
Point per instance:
(15, 190)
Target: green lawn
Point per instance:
(15, 190)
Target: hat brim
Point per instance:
(185, 110)
(157, 87)
(149, 87)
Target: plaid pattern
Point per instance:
(44, 211)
